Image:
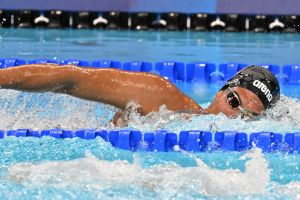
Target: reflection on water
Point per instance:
(85, 43)
(215, 47)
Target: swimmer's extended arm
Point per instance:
(112, 86)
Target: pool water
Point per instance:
(215, 47)
(48, 168)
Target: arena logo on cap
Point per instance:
(264, 89)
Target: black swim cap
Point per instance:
(260, 81)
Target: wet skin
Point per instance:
(249, 101)
(117, 88)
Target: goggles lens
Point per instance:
(233, 100)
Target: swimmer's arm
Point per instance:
(112, 86)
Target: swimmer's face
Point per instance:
(247, 101)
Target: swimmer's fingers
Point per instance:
(119, 119)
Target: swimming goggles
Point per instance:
(234, 101)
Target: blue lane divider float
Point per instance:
(173, 70)
(163, 140)
(137, 66)
(106, 64)
(10, 62)
(42, 61)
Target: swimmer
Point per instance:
(249, 93)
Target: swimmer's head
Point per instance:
(252, 90)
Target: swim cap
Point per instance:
(260, 81)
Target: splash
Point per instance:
(165, 180)
(48, 110)
(282, 118)
(291, 189)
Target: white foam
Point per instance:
(47, 110)
(284, 117)
(291, 189)
(165, 180)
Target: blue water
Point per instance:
(29, 168)
(249, 48)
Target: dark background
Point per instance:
(273, 7)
